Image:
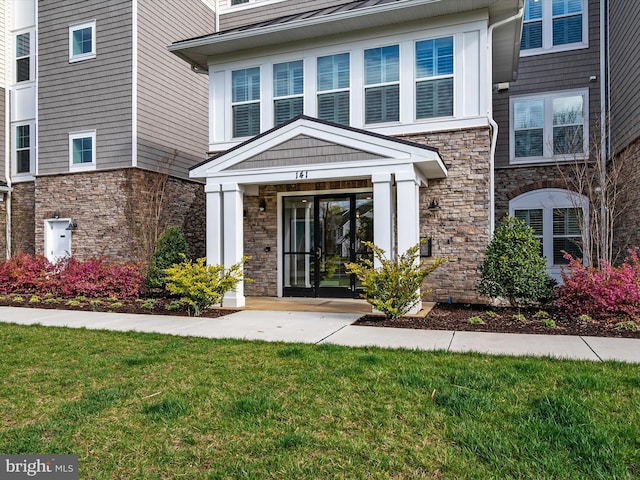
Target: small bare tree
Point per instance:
(603, 180)
(146, 208)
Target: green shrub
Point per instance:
(513, 267)
(584, 318)
(393, 287)
(491, 314)
(34, 299)
(171, 248)
(149, 303)
(629, 325)
(174, 305)
(541, 314)
(519, 318)
(201, 285)
(475, 321)
(548, 322)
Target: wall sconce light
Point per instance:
(56, 214)
(434, 205)
(357, 213)
(72, 227)
(262, 206)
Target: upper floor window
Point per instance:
(434, 78)
(238, 2)
(549, 126)
(245, 98)
(23, 57)
(82, 41)
(23, 149)
(333, 88)
(382, 84)
(554, 25)
(82, 150)
(288, 89)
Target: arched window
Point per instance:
(558, 218)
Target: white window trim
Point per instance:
(32, 56)
(547, 32)
(85, 56)
(250, 4)
(32, 152)
(81, 167)
(287, 97)
(401, 54)
(417, 79)
(469, 82)
(548, 199)
(259, 101)
(547, 127)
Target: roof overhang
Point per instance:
(201, 51)
(388, 155)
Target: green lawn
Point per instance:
(154, 406)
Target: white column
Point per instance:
(407, 186)
(214, 224)
(233, 237)
(382, 213)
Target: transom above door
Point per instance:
(321, 233)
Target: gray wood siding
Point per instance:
(261, 13)
(91, 94)
(304, 150)
(624, 72)
(172, 100)
(552, 72)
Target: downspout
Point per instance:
(605, 128)
(7, 145)
(492, 122)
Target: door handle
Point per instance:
(318, 252)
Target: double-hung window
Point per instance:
(82, 41)
(288, 90)
(554, 25)
(549, 126)
(333, 88)
(23, 57)
(82, 150)
(434, 78)
(382, 84)
(245, 98)
(23, 149)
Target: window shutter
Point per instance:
(334, 107)
(382, 104)
(434, 98)
(286, 109)
(246, 120)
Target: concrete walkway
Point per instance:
(328, 327)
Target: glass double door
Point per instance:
(321, 234)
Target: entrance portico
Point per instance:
(307, 150)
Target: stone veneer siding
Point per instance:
(112, 211)
(460, 230)
(514, 181)
(22, 218)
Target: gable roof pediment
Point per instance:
(311, 144)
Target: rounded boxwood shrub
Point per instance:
(513, 267)
(171, 249)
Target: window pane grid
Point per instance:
(82, 150)
(82, 41)
(333, 72)
(550, 126)
(23, 151)
(245, 98)
(23, 57)
(551, 24)
(566, 234)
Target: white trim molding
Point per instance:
(79, 167)
(78, 57)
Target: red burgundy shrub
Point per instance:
(25, 273)
(604, 291)
(70, 277)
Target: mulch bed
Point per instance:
(160, 306)
(456, 317)
(442, 317)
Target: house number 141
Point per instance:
(302, 174)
